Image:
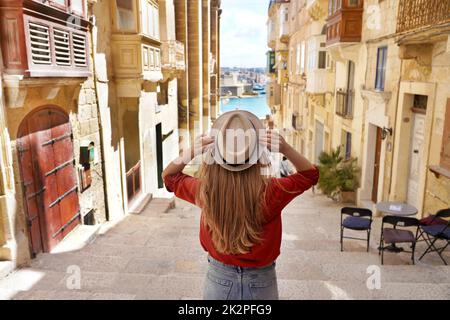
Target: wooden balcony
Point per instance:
(417, 14)
(136, 57)
(344, 104)
(40, 40)
(172, 56)
(344, 22)
(270, 62)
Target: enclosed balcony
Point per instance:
(173, 58)
(284, 24)
(421, 24)
(136, 40)
(271, 35)
(418, 14)
(44, 40)
(344, 22)
(270, 62)
(320, 78)
(274, 94)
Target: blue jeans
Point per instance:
(226, 282)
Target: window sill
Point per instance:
(439, 171)
(376, 95)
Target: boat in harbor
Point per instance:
(258, 87)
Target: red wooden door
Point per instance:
(48, 175)
(376, 166)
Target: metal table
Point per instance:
(400, 209)
(393, 208)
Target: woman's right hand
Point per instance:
(202, 142)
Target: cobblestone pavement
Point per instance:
(158, 256)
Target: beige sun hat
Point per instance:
(236, 145)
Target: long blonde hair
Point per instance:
(232, 204)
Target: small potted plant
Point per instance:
(338, 176)
(348, 181)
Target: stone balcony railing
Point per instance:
(172, 55)
(416, 14)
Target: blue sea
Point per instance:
(257, 105)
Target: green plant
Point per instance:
(349, 173)
(337, 174)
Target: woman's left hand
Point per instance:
(274, 141)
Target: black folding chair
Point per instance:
(433, 233)
(358, 219)
(430, 220)
(393, 235)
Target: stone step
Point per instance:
(158, 205)
(6, 267)
(77, 239)
(139, 204)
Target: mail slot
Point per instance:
(87, 154)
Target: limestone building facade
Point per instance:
(96, 97)
(383, 97)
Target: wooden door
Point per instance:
(415, 157)
(376, 165)
(47, 167)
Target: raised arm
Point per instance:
(284, 190)
(177, 165)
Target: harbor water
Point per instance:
(257, 105)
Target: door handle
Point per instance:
(416, 151)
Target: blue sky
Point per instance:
(244, 33)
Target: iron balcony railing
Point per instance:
(134, 181)
(415, 14)
(344, 104)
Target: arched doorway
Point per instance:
(49, 184)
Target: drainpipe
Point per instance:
(395, 123)
(92, 21)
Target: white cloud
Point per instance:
(244, 33)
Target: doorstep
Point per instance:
(77, 239)
(138, 204)
(159, 206)
(6, 267)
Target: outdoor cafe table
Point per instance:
(393, 208)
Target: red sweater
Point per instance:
(279, 193)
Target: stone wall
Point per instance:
(86, 129)
(437, 194)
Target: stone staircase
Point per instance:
(156, 255)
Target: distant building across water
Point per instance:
(244, 89)
(242, 82)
